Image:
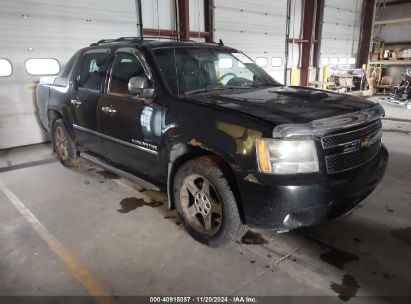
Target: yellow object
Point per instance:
(295, 76)
(243, 137)
(325, 77)
(379, 73)
(262, 154)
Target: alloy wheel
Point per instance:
(61, 143)
(201, 204)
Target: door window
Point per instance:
(126, 66)
(93, 70)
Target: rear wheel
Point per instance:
(64, 146)
(206, 204)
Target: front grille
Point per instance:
(342, 162)
(339, 139)
(348, 150)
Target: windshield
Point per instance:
(195, 70)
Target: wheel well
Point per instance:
(223, 165)
(52, 116)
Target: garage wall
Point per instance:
(158, 14)
(257, 28)
(48, 29)
(340, 31)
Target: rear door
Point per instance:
(86, 99)
(131, 126)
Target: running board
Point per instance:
(126, 175)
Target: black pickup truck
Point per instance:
(232, 147)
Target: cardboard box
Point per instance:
(399, 54)
(374, 57)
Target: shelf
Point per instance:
(391, 62)
(392, 21)
(398, 43)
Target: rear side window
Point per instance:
(63, 77)
(42, 66)
(93, 70)
(5, 68)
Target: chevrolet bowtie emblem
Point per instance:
(366, 142)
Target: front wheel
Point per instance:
(206, 203)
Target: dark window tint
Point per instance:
(125, 66)
(93, 70)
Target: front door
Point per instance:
(131, 127)
(86, 99)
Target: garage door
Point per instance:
(257, 28)
(340, 32)
(52, 31)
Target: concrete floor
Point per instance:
(136, 247)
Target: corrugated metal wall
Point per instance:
(48, 29)
(54, 29)
(341, 29)
(158, 14)
(257, 28)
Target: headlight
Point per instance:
(278, 156)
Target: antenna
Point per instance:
(220, 42)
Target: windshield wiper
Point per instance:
(216, 87)
(206, 89)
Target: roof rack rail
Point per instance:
(102, 41)
(166, 37)
(135, 39)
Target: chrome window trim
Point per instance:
(319, 128)
(114, 139)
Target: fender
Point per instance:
(63, 112)
(180, 152)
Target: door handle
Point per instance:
(75, 102)
(108, 110)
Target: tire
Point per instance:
(64, 145)
(205, 203)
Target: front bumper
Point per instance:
(307, 199)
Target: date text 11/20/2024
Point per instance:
(198, 299)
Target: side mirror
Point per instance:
(137, 85)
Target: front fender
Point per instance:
(180, 152)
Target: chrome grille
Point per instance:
(343, 138)
(342, 162)
(349, 150)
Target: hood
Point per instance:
(285, 105)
